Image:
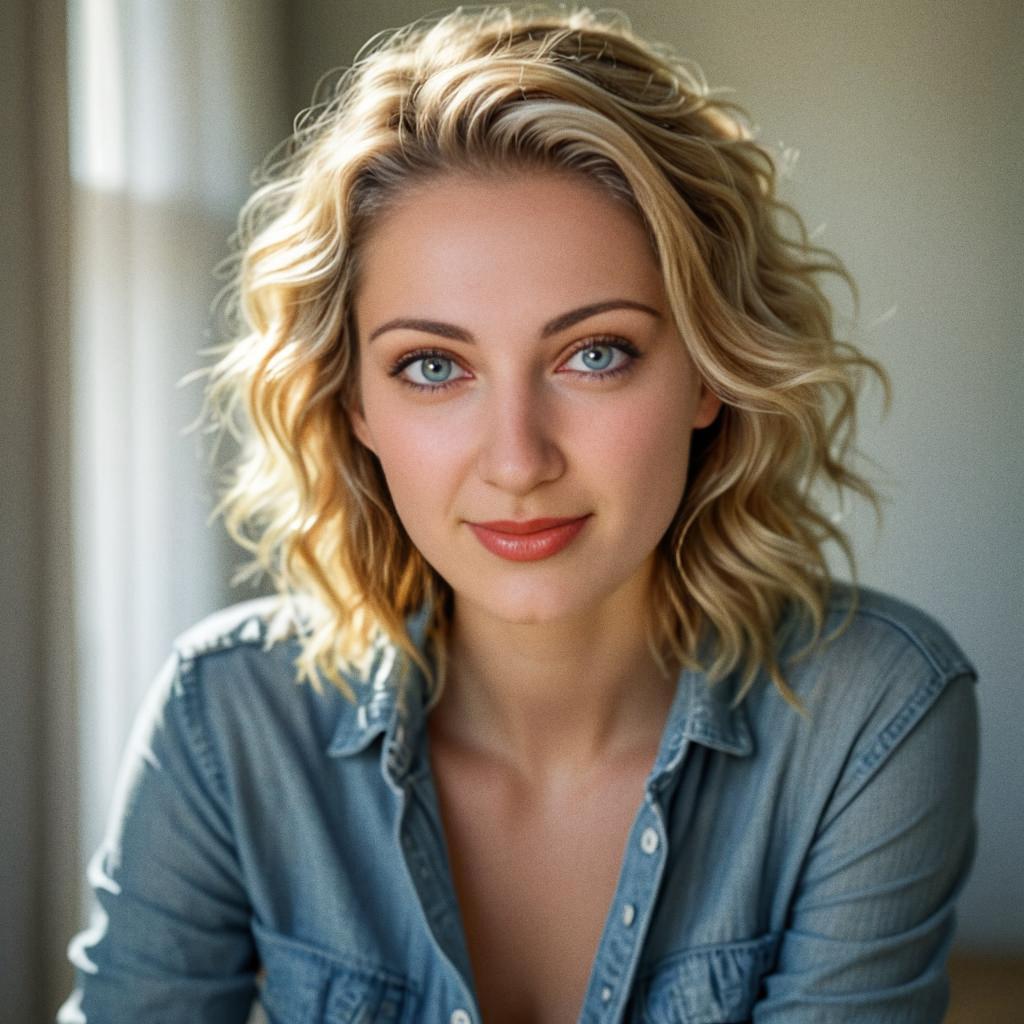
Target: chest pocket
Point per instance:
(306, 985)
(709, 985)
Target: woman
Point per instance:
(535, 386)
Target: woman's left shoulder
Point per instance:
(874, 628)
(881, 666)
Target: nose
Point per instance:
(518, 447)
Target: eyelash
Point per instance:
(425, 353)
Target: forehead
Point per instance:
(540, 238)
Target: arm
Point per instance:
(170, 938)
(872, 921)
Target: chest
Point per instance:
(535, 875)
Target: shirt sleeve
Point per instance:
(872, 921)
(170, 939)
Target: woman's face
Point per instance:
(517, 362)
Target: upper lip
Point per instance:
(526, 525)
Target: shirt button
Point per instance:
(460, 1017)
(649, 840)
(628, 914)
(606, 994)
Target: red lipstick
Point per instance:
(527, 540)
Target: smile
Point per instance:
(521, 546)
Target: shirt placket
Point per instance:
(421, 841)
(635, 900)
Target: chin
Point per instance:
(530, 605)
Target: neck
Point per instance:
(557, 697)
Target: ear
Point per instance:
(707, 408)
(360, 428)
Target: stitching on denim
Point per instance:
(954, 664)
(899, 726)
(197, 725)
(895, 730)
(349, 963)
(227, 638)
(755, 949)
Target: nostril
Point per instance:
(518, 459)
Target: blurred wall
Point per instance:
(906, 117)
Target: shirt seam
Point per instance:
(954, 664)
(338, 963)
(197, 727)
(765, 941)
(899, 725)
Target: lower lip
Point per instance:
(528, 547)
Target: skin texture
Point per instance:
(554, 708)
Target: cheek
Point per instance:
(419, 460)
(646, 446)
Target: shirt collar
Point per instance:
(383, 705)
(700, 712)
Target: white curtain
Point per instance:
(172, 106)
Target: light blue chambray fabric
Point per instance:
(270, 843)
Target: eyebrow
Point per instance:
(559, 323)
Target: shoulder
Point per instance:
(879, 626)
(880, 667)
(238, 685)
(884, 670)
(249, 646)
(872, 649)
(260, 622)
(890, 706)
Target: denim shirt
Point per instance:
(269, 843)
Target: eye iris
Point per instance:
(435, 365)
(598, 357)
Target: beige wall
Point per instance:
(906, 116)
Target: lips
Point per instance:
(528, 540)
(525, 526)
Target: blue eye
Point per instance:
(599, 357)
(435, 371)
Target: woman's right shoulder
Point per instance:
(260, 622)
(234, 675)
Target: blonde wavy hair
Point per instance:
(488, 92)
